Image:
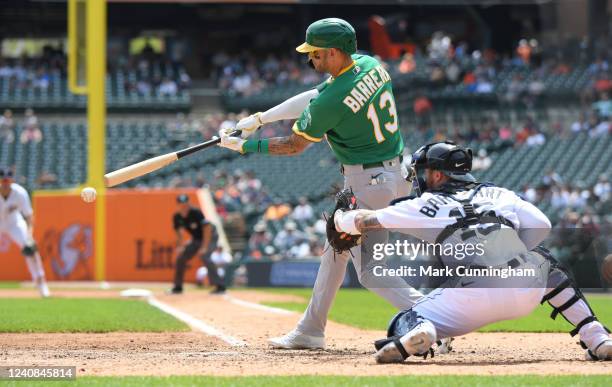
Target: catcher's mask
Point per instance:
(451, 159)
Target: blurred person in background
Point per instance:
(203, 242)
(16, 221)
(7, 127)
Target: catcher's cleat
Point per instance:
(297, 340)
(602, 352)
(445, 345)
(416, 342)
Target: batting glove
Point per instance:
(233, 143)
(248, 125)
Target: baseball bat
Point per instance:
(133, 171)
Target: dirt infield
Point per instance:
(349, 349)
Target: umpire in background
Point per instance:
(203, 242)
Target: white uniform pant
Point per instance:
(17, 232)
(374, 189)
(458, 311)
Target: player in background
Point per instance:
(452, 208)
(203, 242)
(16, 221)
(354, 110)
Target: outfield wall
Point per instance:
(140, 239)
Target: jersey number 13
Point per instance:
(384, 102)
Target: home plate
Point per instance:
(136, 293)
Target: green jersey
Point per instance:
(356, 113)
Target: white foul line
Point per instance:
(264, 308)
(196, 324)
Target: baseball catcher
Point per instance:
(453, 209)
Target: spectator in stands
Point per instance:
(289, 237)
(303, 211)
(143, 87)
(482, 161)
(422, 107)
(407, 64)
(31, 132)
(278, 210)
(505, 135)
(168, 87)
(580, 125)
(599, 66)
(601, 129)
(7, 126)
(483, 85)
(524, 51)
(453, 72)
(42, 80)
(529, 193)
(552, 178)
(602, 188)
(514, 90)
(260, 242)
(440, 46)
(535, 137)
(603, 107)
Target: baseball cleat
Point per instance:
(445, 346)
(416, 342)
(218, 290)
(602, 352)
(297, 340)
(174, 291)
(44, 290)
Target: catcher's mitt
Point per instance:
(341, 241)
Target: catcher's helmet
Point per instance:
(329, 33)
(451, 159)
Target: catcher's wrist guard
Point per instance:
(345, 222)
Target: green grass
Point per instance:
(291, 381)
(9, 285)
(83, 315)
(364, 309)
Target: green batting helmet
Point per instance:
(330, 33)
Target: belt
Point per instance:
(379, 163)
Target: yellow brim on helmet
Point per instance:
(306, 48)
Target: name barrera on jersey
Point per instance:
(371, 82)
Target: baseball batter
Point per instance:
(454, 210)
(354, 110)
(16, 218)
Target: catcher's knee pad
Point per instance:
(400, 325)
(29, 249)
(565, 297)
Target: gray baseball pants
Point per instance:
(374, 189)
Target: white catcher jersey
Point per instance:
(426, 216)
(16, 205)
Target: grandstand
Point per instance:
(494, 88)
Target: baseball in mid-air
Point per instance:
(88, 194)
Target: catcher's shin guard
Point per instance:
(567, 300)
